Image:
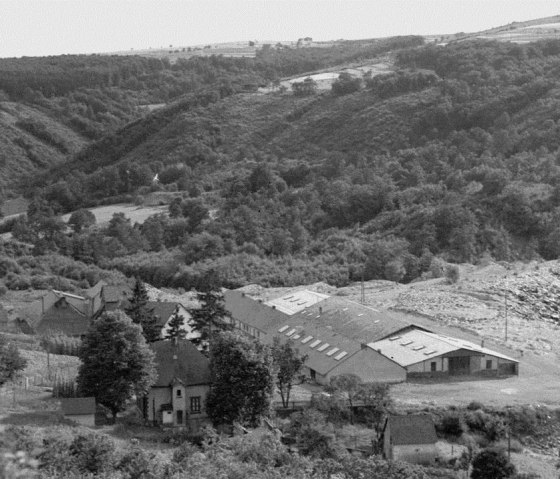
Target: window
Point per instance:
(433, 366)
(179, 393)
(488, 364)
(313, 374)
(195, 404)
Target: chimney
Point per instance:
(363, 345)
(482, 343)
(273, 306)
(320, 309)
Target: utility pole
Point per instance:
(506, 311)
(363, 289)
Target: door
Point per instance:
(180, 418)
(459, 365)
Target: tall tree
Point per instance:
(288, 364)
(243, 382)
(140, 313)
(176, 326)
(11, 361)
(116, 361)
(210, 318)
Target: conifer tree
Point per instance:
(176, 324)
(210, 318)
(140, 313)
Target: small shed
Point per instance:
(80, 410)
(410, 438)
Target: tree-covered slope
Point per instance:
(455, 154)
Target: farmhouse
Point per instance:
(178, 397)
(340, 336)
(72, 314)
(410, 438)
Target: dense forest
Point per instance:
(454, 156)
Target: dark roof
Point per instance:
(411, 429)
(180, 360)
(95, 290)
(64, 317)
(116, 293)
(78, 406)
(352, 320)
(252, 312)
(162, 310)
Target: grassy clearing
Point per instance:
(136, 214)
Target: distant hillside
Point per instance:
(517, 32)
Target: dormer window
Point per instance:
(179, 393)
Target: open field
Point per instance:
(136, 214)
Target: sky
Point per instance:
(54, 27)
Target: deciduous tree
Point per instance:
(11, 362)
(243, 380)
(288, 364)
(116, 361)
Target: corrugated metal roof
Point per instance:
(415, 346)
(292, 303)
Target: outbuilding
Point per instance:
(80, 410)
(411, 438)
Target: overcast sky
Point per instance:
(53, 27)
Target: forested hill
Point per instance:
(51, 107)
(455, 154)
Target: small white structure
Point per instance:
(80, 410)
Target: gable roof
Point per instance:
(352, 320)
(162, 310)
(252, 312)
(64, 317)
(115, 296)
(411, 429)
(78, 406)
(415, 346)
(96, 289)
(296, 301)
(180, 360)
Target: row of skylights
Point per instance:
(314, 344)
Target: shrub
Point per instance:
(452, 273)
(475, 406)
(491, 464)
(451, 424)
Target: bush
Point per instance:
(451, 424)
(475, 406)
(491, 464)
(452, 273)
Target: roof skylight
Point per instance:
(332, 351)
(283, 328)
(307, 339)
(315, 343)
(339, 356)
(323, 347)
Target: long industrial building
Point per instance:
(340, 336)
